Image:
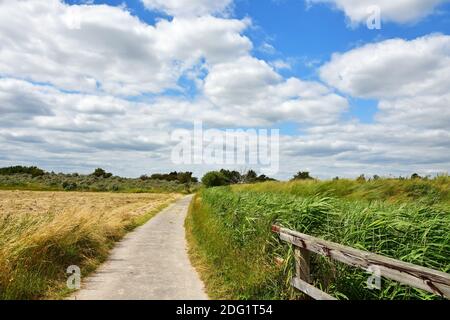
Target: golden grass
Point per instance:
(42, 233)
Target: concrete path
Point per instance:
(151, 263)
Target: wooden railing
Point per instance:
(430, 280)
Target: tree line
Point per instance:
(222, 177)
(180, 177)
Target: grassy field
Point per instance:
(234, 250)
(42, 233)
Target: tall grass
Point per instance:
(394, 190)
(416, 231)
(36, 248)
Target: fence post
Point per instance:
(302, 266)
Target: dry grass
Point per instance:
(42, 233)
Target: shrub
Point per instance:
(33, 171)
(415, 176)
(69, 186)
(100, 173)
(302, 176)
(233, 177)
(361, 178)
(214, 179)
(180, 177)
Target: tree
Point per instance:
(214, 179)
(415, 176)
(33, 171)
(180, 177)
(184, 177)
(233, 177)
(250, 177)
(361, 178)
(264, 178)
(302, 175)
(100, 173)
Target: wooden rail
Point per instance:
(430, 280)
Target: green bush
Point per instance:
(33, 171)
(302, 176)
(214, 179)
(69, 186)
(100, 173)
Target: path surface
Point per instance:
(151, 263)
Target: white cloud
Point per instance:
(281, 65)
(411, 131)
(189, 7)
(392, 68)
(106, 53)
(350, 149)
(425, 112)
(100, 46)
(251, 88)
(400, 11)
(409, 79)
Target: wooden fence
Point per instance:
(430, 280)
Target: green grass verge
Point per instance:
(230, 272)
(232, 242)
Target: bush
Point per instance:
(180, 177)
(302, 176)
(100, 173)
(214, 179)
(69, 186)
(34, 171)
(415, 176)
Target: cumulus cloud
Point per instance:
(409, 79)
(428, 111)
(399, 11)
(189, 7)
(105, 48)
(392, 68)
(67, 73)
(253, 89)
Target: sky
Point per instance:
(105, 83)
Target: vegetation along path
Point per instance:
(150, 263)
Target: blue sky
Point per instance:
(106, 82)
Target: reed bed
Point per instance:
(411, 227)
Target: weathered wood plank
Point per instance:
(302, 268)
(310, 290)
(433, 281)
